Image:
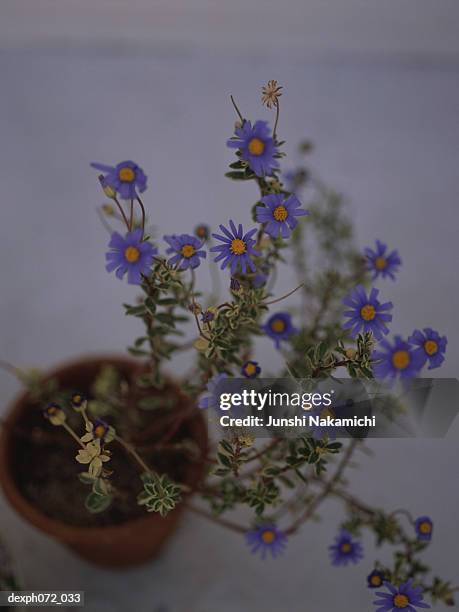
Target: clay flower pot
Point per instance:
(119, 545)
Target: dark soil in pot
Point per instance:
(39, 473)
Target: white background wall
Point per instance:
(419, 28)
(374, 84)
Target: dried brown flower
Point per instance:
(271, 94)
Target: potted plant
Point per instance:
(104, 453)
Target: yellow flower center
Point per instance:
(278, 326)
(401, 601)
(238, 246)
(346, 548)
(256, 146)
(368, 312)
(376, 580)
(380, 263)
(99, 431)
(401, 359)
(188, 250)
(430, 347)
(250, 369)
(268, 536)
(76, 399)
(280, 213)
(53, 410)
(425, 527)
(127, 175)
(132, 254)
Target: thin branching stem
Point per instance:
(236, 108)
(142, 208)
(123, 214)
(132, 451)
(283, 297)
(276, 120)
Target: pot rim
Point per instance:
(26, 509)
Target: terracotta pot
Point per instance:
(120, 545)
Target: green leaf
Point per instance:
(85, 478)
(238, 176)
(96, 503)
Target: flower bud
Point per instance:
(107, 189)
(108, 210)
(79, 401)
(55, 414)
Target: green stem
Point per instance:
(131, 450)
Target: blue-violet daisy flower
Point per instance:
(279, 327)
(345, 550)
(208, 315)
(424, 527)
(256, 146)
(266, 538)
(366, 313)
(79, 401)
(279, 214)
(375, 579)
(187, 251)
(236, 248)
(395, 359)
(130, 255)
(125, 178)
(381, 263)
(235, 285)
(210, 399)
(54, 413)
(431, 346)
(405, 597)
(250, 369)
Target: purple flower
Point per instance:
(406, 597)
(78, 400)
(381, 263)
(424, 527)
(208, 315)
(187, 251)
(431, 346)
(279, 327)
(256, 146)
(236, 248)
(210, 400)
(375, 579)
(250, 369)
(278, 213)
(130, 255)
(266, 538)
(395, 359)
(124, 178)
(345, 550)
(100, 429)
(235, 285)
(366, 313)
